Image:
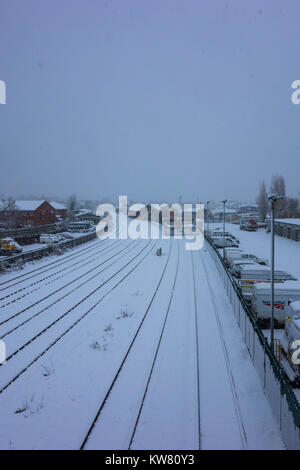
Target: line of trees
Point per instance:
(288, 207)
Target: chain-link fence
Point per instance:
(274, 379)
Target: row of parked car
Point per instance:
(50, 238)
(252, 275)
(8, 246)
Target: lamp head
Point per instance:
(275, 197)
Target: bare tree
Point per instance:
(262, 201)
(8, 211)
(72, 203)
(278, 188)
(292, 209)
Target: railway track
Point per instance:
(79, 265)
(67, 285)
(81, 317)
(238, 413)
(197, 348)
(128, 353)
(58, 262)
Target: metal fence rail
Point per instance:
(46, 251)
(274, 379)
(29, 232)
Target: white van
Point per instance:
(233, 251)
(283, 293)
(292, 333)
(237, 263)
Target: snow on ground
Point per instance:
(111, 346)
(287, 257)
(287, 252)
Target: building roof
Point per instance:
(28, 205)
(220, 210)
(289, 221)
(84, 211)
(58, 205)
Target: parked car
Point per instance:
(230, 250)
(66, 236)
(237, 263)
(49, 238)
(220, 242)
(249, 225)
(240, 255)
(219, 233)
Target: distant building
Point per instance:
(60, 210)
(29, 213)
(218, 214)
(251, 209)
(86, 215)
(288, 228)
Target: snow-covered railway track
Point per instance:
(139, 392)
(79, 264)
(17, 314)
(239, 418)
(197, 350)
(80, 318)
(53, 264)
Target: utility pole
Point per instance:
(273, 198)
(207, 217)
(224, 202)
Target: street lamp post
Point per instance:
(273, 198)
(207, 202)
(224, 202)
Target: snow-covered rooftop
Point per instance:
(289, 221)
(28, 205)
(288, 286)
(227, 211)
(58, 205)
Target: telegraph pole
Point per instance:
(224, 202)
(207, 217)
(273, 198)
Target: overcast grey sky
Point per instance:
(149, 98)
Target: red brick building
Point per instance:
(60, 210)
(29, 213)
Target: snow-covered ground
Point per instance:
(113, 347)
(287, 257)
(287, 252)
